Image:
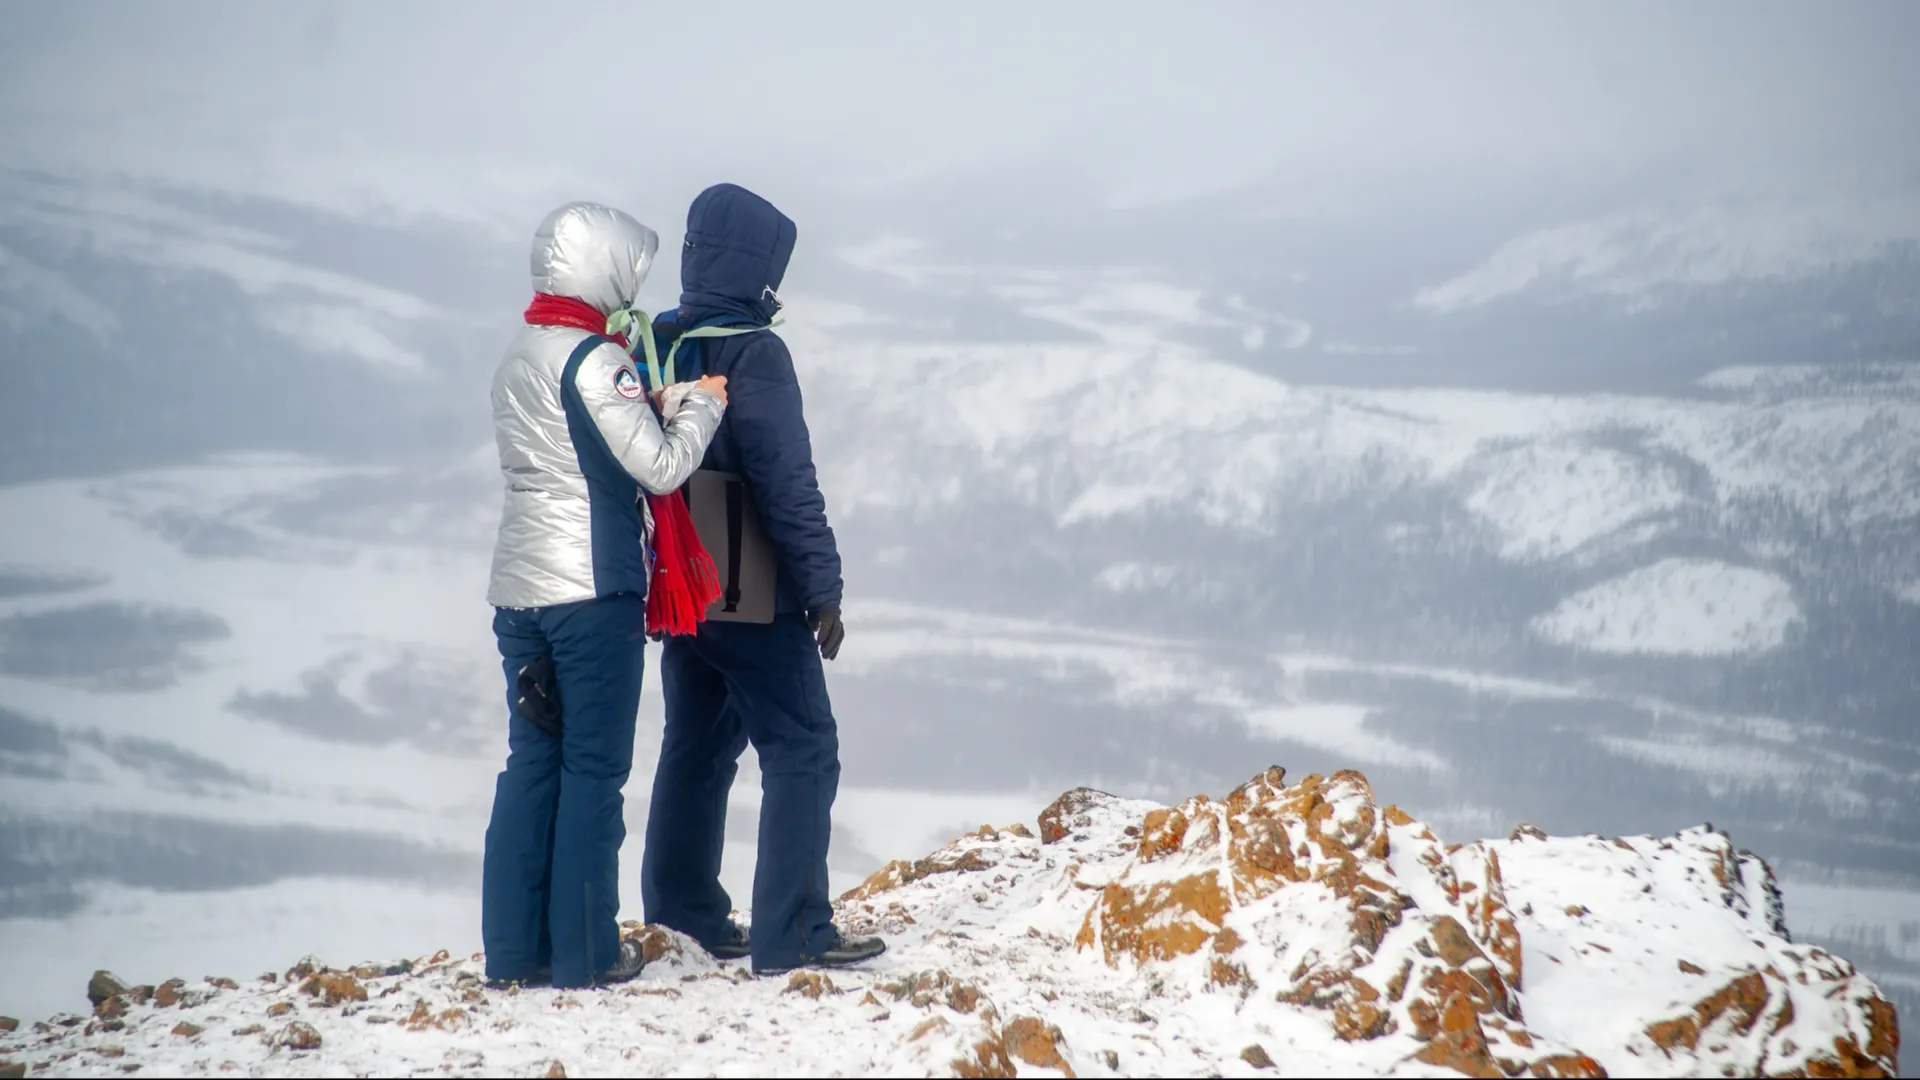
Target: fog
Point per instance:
(482, 112)
(1517, 402)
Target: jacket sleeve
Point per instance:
(770, 432)
(614, 396)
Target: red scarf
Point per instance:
(550, 310)
(685, 582)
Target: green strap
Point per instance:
(638, 324)
(702, 332)
(632, 320)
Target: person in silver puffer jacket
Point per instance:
(579, 440)
(552, 548)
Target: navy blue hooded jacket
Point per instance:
(736, 252)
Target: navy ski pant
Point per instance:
(730, 685)
(550, 891)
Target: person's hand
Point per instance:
(715, 385)
(828, 631)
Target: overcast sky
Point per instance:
(1365, 171)
(485, 112)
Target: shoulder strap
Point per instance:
(654, 372)
(637, 324)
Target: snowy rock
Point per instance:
(169, 993)
(334, 987)
(102, 986)
(112, 1008)
(1297, 928)
(296, 1036)
(1072, 811)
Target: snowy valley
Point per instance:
(248, 701)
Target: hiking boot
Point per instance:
(845, 951)
(541, 978)
(731, 947)
(628, 965)
(848, 950)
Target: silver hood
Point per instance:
(578, 438)
(594, 254)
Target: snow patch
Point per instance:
(1751, 378)
(1342, 730)
(1635, 254)
(1606, 926)
(1727, 769)
(1549, 499)
(1677, 607)
(132, 228)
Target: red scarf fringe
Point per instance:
(685, 581)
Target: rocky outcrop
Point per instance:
(1221, 882)
(1382, 963)
(1288, 927)
(1314, 897)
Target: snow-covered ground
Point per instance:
(1124, 939)
(1876, 926)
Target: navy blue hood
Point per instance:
(737, 249)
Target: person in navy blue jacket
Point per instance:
(735, 683)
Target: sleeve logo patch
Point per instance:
(627, 384)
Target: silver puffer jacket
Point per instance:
(565, 524)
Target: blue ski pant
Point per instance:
(731, 685)
(550, 893)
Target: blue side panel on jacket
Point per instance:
(619, 560)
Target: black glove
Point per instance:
(828, 631)
(537, 694)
